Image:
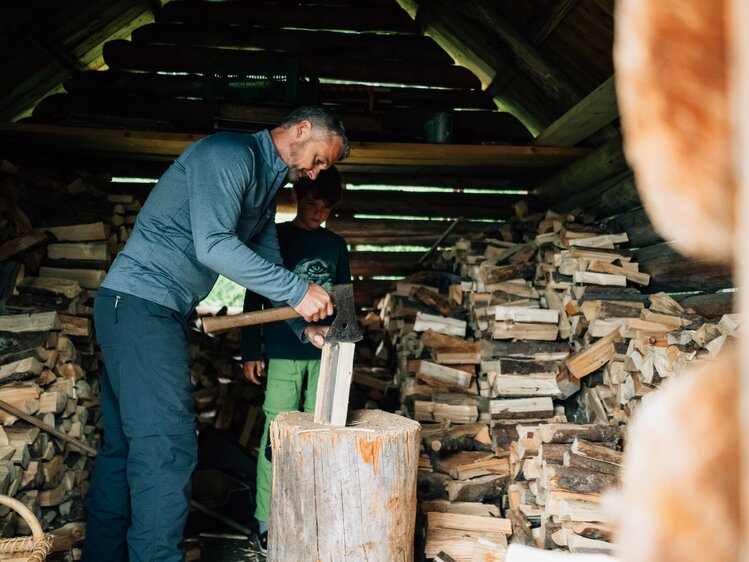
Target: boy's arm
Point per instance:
(251, 335)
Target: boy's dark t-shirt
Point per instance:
(319, 256)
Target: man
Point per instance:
(212, 212)
(318, 255)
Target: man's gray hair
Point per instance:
(323, 117)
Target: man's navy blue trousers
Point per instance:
(140, 489)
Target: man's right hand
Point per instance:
(315, 305)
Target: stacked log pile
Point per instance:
(524, 359)
(57, 238)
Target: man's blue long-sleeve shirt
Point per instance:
(211, 213)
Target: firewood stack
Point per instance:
(524, 360)
(57, 240)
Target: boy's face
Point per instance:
(311, 213)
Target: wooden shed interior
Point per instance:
(462, 115)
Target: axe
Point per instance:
(345, 328)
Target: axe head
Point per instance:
(345, 328)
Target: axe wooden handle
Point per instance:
(214, 324)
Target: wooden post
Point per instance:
(343, 494)
(336, 367)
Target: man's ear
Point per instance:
(303, 130)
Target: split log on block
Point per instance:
(567, 432)
(542, 407)
(79, 232)
(334, 383)
(343, 493)
(440, 324)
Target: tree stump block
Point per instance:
(343, 494)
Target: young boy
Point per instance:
(317, 255)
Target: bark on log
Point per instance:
(343, 493)
(671, 271)
(712, 306)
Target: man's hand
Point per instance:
(253, 370)
(316, 335)
(315, 305)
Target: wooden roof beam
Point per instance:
(125, 55)
(473, 48)
(154, 145)
(595, 111)
(525, 55)
(592, 169)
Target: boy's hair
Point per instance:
(328, 186)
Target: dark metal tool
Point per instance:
(345, 328)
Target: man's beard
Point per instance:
(295, 173)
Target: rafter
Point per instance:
(595, 111)
(525, 55)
